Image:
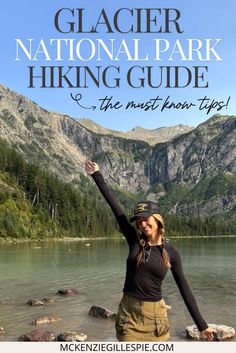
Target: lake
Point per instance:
(40, 269)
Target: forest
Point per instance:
(36, 204)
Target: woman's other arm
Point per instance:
(188, 297)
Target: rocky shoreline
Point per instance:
(39, 335)
(87, 239)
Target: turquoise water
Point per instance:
(40, 269)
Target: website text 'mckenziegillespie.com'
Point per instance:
(116, 347)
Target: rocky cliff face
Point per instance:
(62, 144)
(208, 150)
(206, 153)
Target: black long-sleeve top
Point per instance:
(144, 282)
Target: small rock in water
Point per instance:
(35, 302)
(46, 320)
(37, 336)
(48, 300)
(101, 312)
(68, 291)
(71, 336)
(1, 330)
(6, 302)
(223, 332)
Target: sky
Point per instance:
(199, 23)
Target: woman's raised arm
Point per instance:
(127, 229)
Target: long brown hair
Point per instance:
(143, 243)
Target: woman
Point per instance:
(142, 314)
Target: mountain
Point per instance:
(152, 136)
(191, 174)
(62, 144)
(202, 165)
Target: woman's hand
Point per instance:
(208, 333)
(91, 167)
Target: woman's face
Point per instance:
(148, 226)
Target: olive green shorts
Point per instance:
(141, 321)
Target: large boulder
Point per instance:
(97, 311)
(71, 336)
(223, 332)
(46, 320)
(38, 336)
